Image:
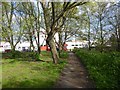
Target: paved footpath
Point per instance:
(74, 75)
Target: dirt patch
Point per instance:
(74, 75)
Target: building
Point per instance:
(4, 46)
(25, 45)
(77, 44)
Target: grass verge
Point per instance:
(104, 68)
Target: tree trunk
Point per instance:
(53, 50)
(101, 34)
(119, 45)
(60, 43)
(38, 26)
(12, 43)
(31, 43)
(12, 47)
(118, 41)
(119, 29)
(60, 48)
(38, 45)
(89, 47)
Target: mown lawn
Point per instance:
(31, 74)
(104, 68)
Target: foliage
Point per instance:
(26, 56)
(12, 54)
(104, 68)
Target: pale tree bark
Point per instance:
(50, 35)
(54, 52)
(50, 41)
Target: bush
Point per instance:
(25, 56)
(12, 54)
(31, 56)
(104, 68)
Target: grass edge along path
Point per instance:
(74, 75)
(104, 68)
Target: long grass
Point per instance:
(104, 68)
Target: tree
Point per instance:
(29, 21)
(69, 26)
(100, 18)
(9, 21)
(116, 24)
(32, 16)
(86, 23)
(118, 16)
(51, 18)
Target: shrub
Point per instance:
(12, 54)
(25, 56)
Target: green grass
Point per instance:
(25, 74)
(64, 54)
(104, 68)
(45, 56)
